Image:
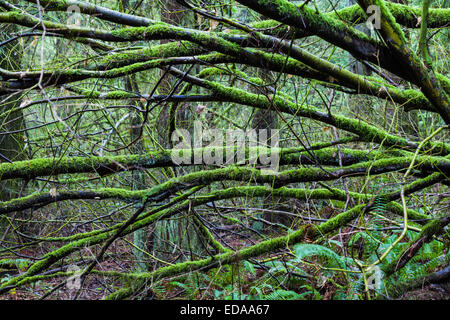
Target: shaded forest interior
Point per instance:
(228, 150)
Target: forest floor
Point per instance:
(121, 259)
(97, 287)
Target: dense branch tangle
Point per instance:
(332, 152)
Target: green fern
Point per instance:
(278, 267)
(281, 294)
(379, 204)
(364, 240)
(305, 250)
(18, 263)
(423, 263)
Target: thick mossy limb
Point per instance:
(327, 72)
(419, 74)
(43, 198)
(102, 166)
(307, 232)
(255, 191)
(367, 132)
(228, 45)
(312, 232)
(406, 15)
(328, 28)
(166, 50)
(239, 174)
(216, 41)
(67, 274)
(410, 99)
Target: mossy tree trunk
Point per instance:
(180, 231)
(268, 120)
(137, 147)
(12, 145)
(138, 177)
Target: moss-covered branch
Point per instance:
(367, 132)
(330, 29)
(420, 75)
(232, 45)
(29, 169)
(405, 15)
(91, 238)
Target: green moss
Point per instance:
(406, 15)
(432, 228)
(233, 257)
(366, 131)
(172, 49)
(225, 258)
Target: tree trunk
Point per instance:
(180, 231)
(12, 145)
(268, 120)
(138, 179)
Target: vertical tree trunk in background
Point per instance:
(268, 120)
(180, 231)
(138, 179)
(12, 146)
(355, 65)
(405, 119)
(173, 13)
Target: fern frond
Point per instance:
(281, 294)
(304, 250)
(379, 204)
